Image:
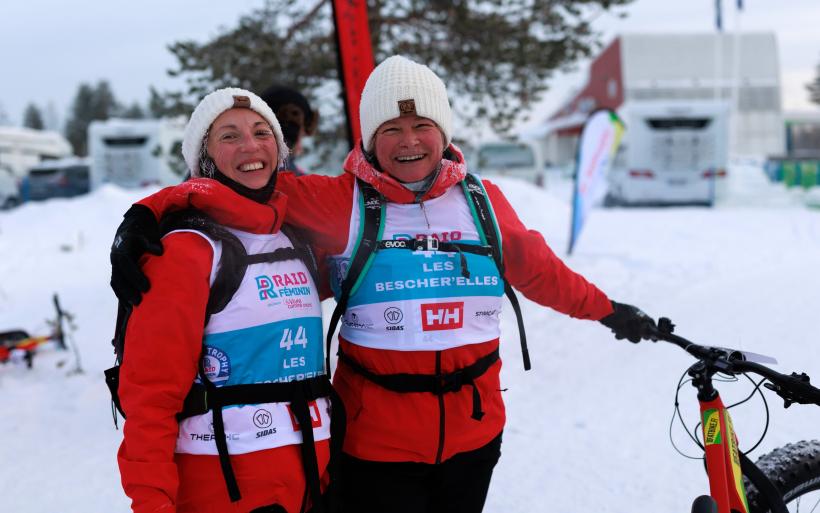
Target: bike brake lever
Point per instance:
(777, 389)
(790, 396)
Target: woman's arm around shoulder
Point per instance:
(163, 347)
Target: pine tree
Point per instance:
(135, 111)
(168, 104)
(104, 105)
(90, 104)
(495, 55)
(79, 118)
(33, 118)
(814, 88)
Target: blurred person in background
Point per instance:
(297, 118)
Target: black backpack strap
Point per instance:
(437, 384)
(232, 262)
(371, 224)
(480, 205)
(112, 375)
(303, 249)
(219, 434)
(206, 397)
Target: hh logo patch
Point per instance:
(407, 107)
(442, 316)
(315, 418)
(241, 102)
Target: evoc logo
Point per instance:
(474, 187)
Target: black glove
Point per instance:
(629, 322)
(136, 235)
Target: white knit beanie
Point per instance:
(399, 86)
(210, 108)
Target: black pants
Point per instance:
(458, 485)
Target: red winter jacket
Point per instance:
(388, 426)
(164, 338)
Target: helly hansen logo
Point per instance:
(315, 417)
(442, 316)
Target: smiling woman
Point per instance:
(257, 360)
(243, 147)
(409, 148)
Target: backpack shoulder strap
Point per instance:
(228, 277)
(303, 250)
(491, 235)
(232, 262)
(371, 226)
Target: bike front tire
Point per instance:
(795, 470)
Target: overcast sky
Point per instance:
(48, 47)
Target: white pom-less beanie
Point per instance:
(399, 86)
(210, 108)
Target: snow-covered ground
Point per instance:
(587, 427)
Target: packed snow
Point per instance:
(587, 428)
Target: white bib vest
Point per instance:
(421, 300)
(270, 331)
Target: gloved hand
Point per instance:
(136, 235)
(629, 322)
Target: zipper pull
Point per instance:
(423, 211)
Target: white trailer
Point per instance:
(674, 152)
(136, 152)
(23, 148)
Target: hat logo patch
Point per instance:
(241, 102)
(407, 107)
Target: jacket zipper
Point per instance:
(441, 413)
(423, 211)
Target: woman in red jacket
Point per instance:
(419, 366)
(257, 439)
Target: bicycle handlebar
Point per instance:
(794, 388)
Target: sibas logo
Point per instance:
(315, 417)
(442, 316)
(265, 286)
(393, 315)
(262, 418)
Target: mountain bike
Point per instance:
(783, 477)
(19, 345)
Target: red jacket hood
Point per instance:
(451, 173)
(227, 207)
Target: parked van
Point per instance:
(508, 158)
(673, 152)
(61, 178)
(136, 152)
(9, 193)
